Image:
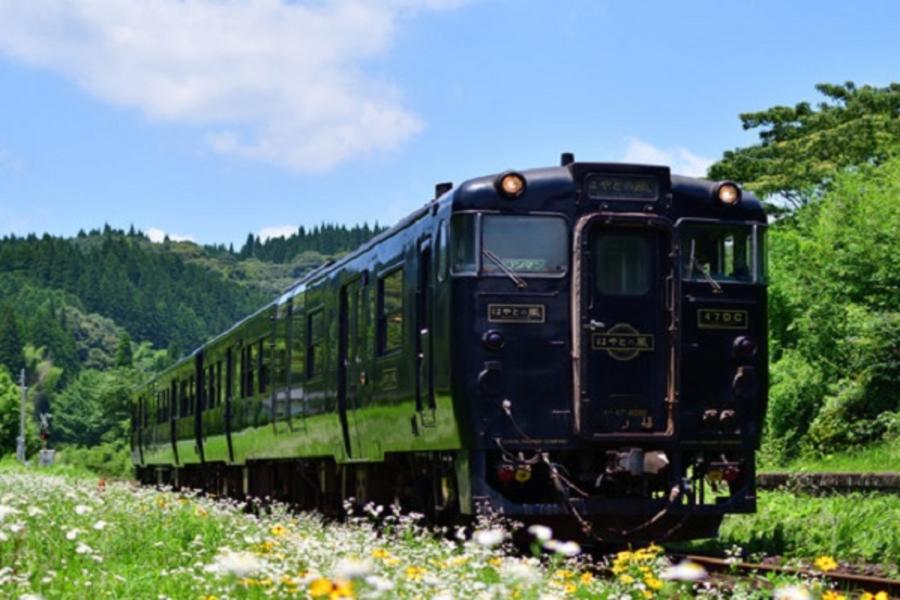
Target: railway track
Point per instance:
(843, 581)
(830, 482)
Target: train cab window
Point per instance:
(719, 252)
(390, 311)
(535, 245)
(315, 346)
(623, 265)
(463, 234)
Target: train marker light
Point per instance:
(728, 193)
(523, 474)
(510, 184)
(506, 473)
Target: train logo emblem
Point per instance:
(622, 342)
(516, 313)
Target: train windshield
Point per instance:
(525, 245)
(721, 252)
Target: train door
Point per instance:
(625, 342)
(279, 357)
(350, 362)
(200, 402)
(229, 399)
(424, 358)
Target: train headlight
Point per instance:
(728, 193)
(510, 184)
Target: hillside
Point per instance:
(92, 288)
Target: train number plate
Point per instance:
(516, 313)
(719, 318)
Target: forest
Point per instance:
(88, 317)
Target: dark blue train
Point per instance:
(582, 345)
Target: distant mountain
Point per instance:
(77, 296)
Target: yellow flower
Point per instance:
(210, 597)
(341, 589)
(200, 511)
(320, 587)
(825, 564)
(415, 573)
(278, 530)
(586, 578)
(881, 596)
(626, 579)
(496, 561)
(380, 553)
(570, 588)
(652, 582)
(647, 593)
(832, 595)
(563, 574)
(161, 502)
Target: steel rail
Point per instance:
(830, 482)
(852, 581)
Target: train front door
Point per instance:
(424, 360)
(351, 364)
(624, 339)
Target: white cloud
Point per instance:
(158, 235)
(274, 80)
(681, 160)
(276, 231)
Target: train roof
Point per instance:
(470, 194)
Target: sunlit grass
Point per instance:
(65, 535)
(860, 528)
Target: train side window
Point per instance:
(262, 366)
(219, 393)
(251, 369)
(463, 234)
(390, 311)
(315, 349)
(443, 251)
(623, 265)
(297, 345)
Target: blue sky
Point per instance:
(213, 118)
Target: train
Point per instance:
(581, 345)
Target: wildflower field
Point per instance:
(65, 536)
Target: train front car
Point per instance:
(609, 348)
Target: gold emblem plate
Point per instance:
(622, 341)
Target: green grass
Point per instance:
(881, 457)
(854, 528)
(64, 535)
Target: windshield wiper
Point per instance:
(516, 279)
(717, 289)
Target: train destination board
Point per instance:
(622, 187)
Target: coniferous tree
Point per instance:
(124, 355)
(11, 344)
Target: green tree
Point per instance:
(9, 412)
(835, 313)
(802, 148)
(11, 355)
(124, 356)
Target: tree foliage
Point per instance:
(801, 148)
(835, 313)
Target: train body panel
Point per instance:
(587, 339)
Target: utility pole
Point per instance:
(20, 441)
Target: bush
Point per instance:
(112, 459)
